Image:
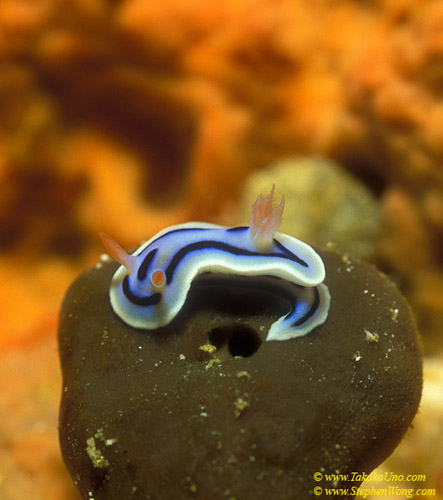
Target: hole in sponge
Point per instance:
(244, 343)
(240, 340)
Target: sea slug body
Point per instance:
(151, 285)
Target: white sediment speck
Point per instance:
(394, 313)
(371, 337)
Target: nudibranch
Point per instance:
(150, 287)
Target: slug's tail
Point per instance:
(265, 221)
(117, 252)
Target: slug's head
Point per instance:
(265, 221)
(130, 262)
(158, 279)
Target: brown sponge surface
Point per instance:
(206, 408)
